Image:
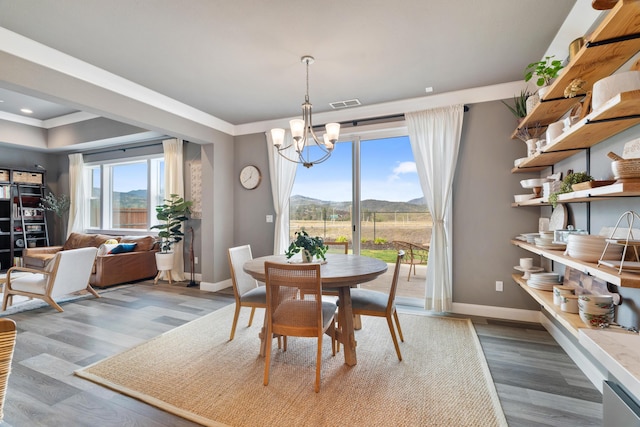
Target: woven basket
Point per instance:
(625, 169)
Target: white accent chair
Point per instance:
(245, 288)
(67, 273)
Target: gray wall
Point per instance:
(484, 222)
(252, 206)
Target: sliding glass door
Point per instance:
(321, 200)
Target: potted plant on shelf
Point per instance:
(171, 214)
(311, 247)
(519, 109)
(545, 70)
(567, 182)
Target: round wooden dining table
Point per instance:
(340, 272)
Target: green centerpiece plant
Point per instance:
(311, 247)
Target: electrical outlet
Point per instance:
(499, 285)
(269, 218)
(195, 259)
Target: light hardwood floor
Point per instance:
(537, 382)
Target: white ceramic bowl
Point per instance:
(608, 87)
(523, 197)
(595, 320)
(534, 182)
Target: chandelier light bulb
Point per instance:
(277, 136)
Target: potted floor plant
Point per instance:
(311, 247)
(171, 214)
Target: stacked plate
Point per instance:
(545, 241)
(529, 237)
(589, 248)
(544, 281)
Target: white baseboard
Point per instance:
(497, 312)
(215, 287)
(586, 366)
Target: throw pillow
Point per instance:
(111, 242)
(122, 248)
(105, 248)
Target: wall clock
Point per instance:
(250, 177)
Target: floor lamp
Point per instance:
(192, 282)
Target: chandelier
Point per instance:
(303, 135)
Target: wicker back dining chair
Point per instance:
(338, 246)
(374, 303)
(7, 344)
(290, 314)
(246, 290)
(68, 272)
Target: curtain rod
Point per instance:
(135, 147)
(374, 119)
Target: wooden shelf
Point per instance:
(540, 201)
(571, 322)
(623, 189)
(597, 59)
(616, 115)
(608, 274)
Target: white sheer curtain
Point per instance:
(174, 184)
(77, 195)
(435, 139)
(282, 173)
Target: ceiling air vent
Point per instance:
(345, 104)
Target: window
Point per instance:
(123, 194)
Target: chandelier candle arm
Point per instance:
(303, 134)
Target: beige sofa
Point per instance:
(109, 269)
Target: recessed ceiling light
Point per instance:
(428, 89)
(26, 111)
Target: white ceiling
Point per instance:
(239, 60)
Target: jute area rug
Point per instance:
(194, 371)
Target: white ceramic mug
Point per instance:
(526, 263)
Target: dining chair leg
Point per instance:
(393, 337)
(267, 356)
(235, 322)
(395, 316)
(253, 310)
(318, 363)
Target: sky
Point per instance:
(388, 172)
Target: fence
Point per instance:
(376, 228)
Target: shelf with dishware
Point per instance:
(611, 44)
(570, 321)
(615, 116)
(606, 273)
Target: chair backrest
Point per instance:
(71, 271)
(7, 345)
(242, 282)
(394, 282)
(294, 298)
(338, 245)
